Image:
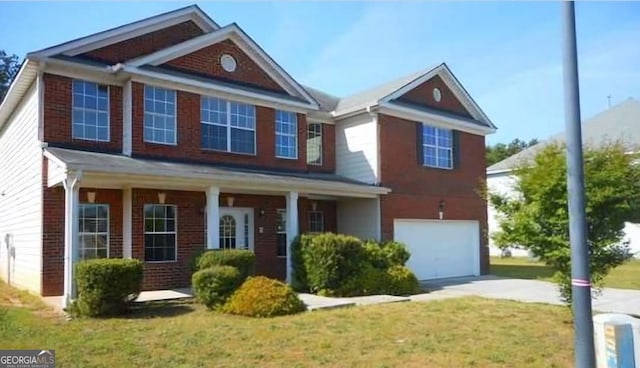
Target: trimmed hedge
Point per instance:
(263, 297)
(213, 286)
(106, 287)
(339, 265)
(242, 259)
(330, 259)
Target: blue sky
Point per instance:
(507, 55)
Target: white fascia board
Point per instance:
(433, 119)
(498, 172)
(104, 75)
(203, 88)
(244, 42)
(452, 83)
(114, 176)
(50, 156)
(27, 74)
(131, 30)
(320, 117)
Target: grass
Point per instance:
(469, 332)
(626, 276)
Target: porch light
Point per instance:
(261, 212)
(161, 197)
(230, 201)
(314, 205)
(91, 197)
(441, 209)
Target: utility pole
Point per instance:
(580, 277)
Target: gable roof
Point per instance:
(392, 90)
(114, 35)
(620, 122)
(243, 41)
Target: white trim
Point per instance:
(127, 118)
(213, 217)
(198, 87)
(21, 85)
(245, 43)
(433, 119)
(452, 83)
(71, 205)
(40, 90)
(127, 219)
(239, 213)
(292, 229)
(496, 172)
(131, 30)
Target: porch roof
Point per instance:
(115, 170)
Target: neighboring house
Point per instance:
(618, 123)
(172, 134)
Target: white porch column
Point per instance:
(292, 229)
(126, 223)
(71, 211)
(213, 218)
(127, 118)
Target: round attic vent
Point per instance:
(437, 95)
(228, 63)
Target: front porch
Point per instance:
(165, 214)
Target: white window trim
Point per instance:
(228, 126)
(436, 147)
(73, 108)
(175, 116)
(309, 221)
(283, 231)
(175, 232)
(310, 123)
(80, 233)
(295, 135)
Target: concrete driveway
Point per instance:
(530, 291)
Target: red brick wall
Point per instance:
(423, 95)
(58, 110)
(328, 208)
(206, 62)
(53, 232)
(189, 136)
(417, 190)
(145, 44)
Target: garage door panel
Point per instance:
(440, 248)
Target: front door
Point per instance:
(236, 228)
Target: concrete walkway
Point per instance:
(529, 291)
(316, 302)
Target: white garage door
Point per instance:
(440, 248)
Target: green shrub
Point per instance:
(299, 273)
(387, 254)
(213, 286)
(329, 259)
(195, 259)
(401, 281)
(106, 286)
(263, 297)
(369, 281)
(242, 259)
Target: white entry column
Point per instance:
(71, 214)
(127, 251)
(213, 217)
(292, 229)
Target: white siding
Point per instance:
(21, 197)
(357, 148)
(500, 184)
(359, 217)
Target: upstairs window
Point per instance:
(159, 115)
(314, 144)
(437, 147)
(228, 126)
(286, 134)
(90, 116)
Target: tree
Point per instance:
(500, 151)
(536, 216)
(9, 67)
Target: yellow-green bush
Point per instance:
(401, 281)
(263, 297)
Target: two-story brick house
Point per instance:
(171, 134)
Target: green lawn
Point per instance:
(465, 332)
(626, 276)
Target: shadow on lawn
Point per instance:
(529, 272)
(160, 309)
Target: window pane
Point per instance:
(159, 118)
(214, 137)
(286, 134)
(242, 141)
(90, 110)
